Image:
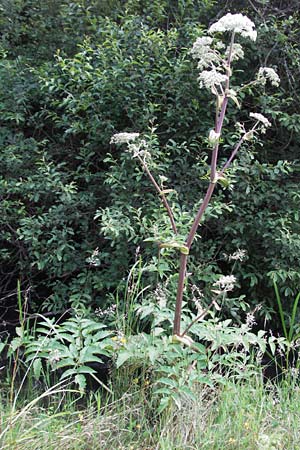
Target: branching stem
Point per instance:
(161, 194)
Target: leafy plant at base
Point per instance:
(176, 367)
(69, 348)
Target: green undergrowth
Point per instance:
(243, 415)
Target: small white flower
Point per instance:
(220, 45)
(124, 138)
(237, 23)
(250, 320)
(262, 119)
(268, 74)
(94, 258)
(239, 255)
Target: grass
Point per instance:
(246, 415)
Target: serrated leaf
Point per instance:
(168, 382)
(162, 391)
(101, 335)
(90, 358)
(68, 373)
(92, 328)
(86, 369)
(177, 400)
(272, 347)
(33, 355)
(66, 362)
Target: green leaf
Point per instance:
(101, 335)
(122, 358)
(86, 369)
(69, 373)
(37, 367)
(2, 346)
(164, 403)
(168, 382)
(65, 362)
(81, 381)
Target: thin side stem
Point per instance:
(236, 149)
(229, 161)
(200, 316)
(161, 194)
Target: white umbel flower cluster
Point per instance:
(236, 23)
(268, 74)
(201, 46)
(211, 79)
(225, 283)
(237, 52)
(262, 119)
(124, 138)
(239, 255)
(202, 51)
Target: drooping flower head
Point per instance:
(236, 23)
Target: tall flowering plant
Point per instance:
(216, 60)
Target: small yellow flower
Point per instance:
(247, 425)
(231, 441)
(123, 340)
(147, 382)
(115, 338)
(138, 426)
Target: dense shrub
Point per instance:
(74, 208)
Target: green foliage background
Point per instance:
(74, 73)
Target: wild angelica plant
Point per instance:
(215, 62)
